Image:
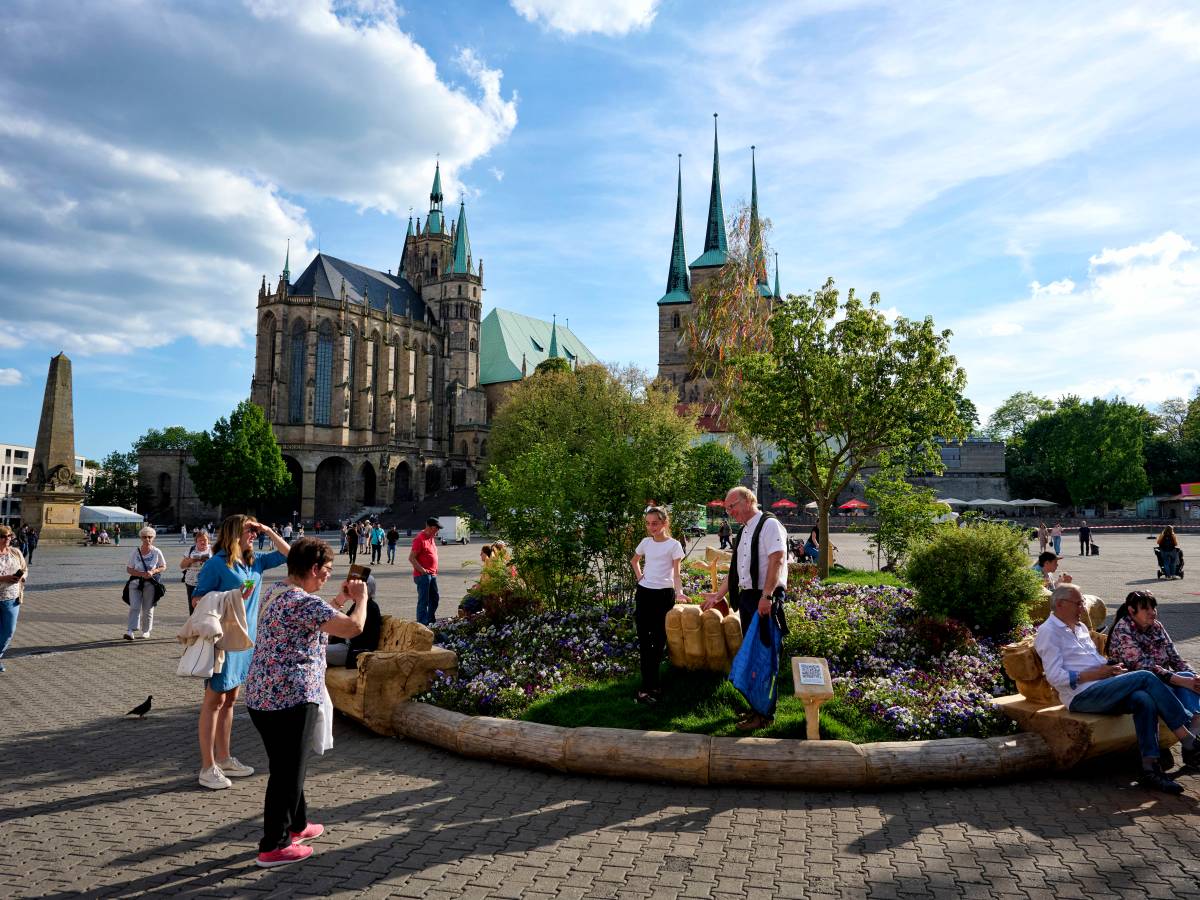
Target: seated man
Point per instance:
(1087, 683)
(341, 652)
(1047, 567)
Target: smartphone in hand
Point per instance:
(359, 573)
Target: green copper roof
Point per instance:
(716, 250)
(410, 228)
(287, 256)
(435, 195)
(553, 353)
(760, 264)
(460, 251)
(776, 292)
(507, 337)
(434, 222)
(677, 274)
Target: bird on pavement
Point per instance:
(141, 709)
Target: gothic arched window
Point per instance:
(296, 381)
(323, 399)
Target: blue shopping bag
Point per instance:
(755, 669)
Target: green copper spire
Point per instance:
(433, 222)
(410, 228)
(460, 250)
(553, 338)
(756, 247)
(677, 274)
(716, 250)
(287, 255)
(777, 294)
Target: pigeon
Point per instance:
(141, 709)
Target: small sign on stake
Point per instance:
(810, 676)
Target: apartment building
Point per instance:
(14, 469)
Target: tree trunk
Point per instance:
(823, 525)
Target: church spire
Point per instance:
(553, 354)
(433, 222)
(677, 274)
(716, 250)
(776, 291)
(460, 251)
(756, 245)
(287, 255)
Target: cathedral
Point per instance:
(675, 305)
(371, 379)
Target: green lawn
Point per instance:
(842, 575)
(697, 702)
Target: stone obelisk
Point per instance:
(51, 498)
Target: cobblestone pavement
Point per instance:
(93, 803)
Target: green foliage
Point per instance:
(238, 465)
(575, 458)
(845, 633)
(116, 481)
(842, 388)
(173, 437)
(1014, 414)
(906, 515)
(552, 364)
(1082, 453)
(968, 414)
(979, 575)
(712, 469)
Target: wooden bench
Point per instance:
(1072, 737)
(402, 667)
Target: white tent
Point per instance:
(951, 501)
(108, 515)
(1034, 502)
(992, 502)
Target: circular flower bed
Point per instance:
(915, 676)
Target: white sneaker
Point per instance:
(145, 635)
(214, 779)
(231, 768)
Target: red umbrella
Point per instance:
(785, 503)
(853, 504)
(717, 504)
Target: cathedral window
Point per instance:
(675, 320)
(474, 345)
(296, 382)
(460, 294)
(323, 400)
(269, 328)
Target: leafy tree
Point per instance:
(968, 413)
(907, 515)
(711, 469)
(1013, 415)
(575, 457)
(173, 437)
(552, 364)
(1170, 419)
(1083, 453)
(116, 482)
(238, 465)
(842, 389)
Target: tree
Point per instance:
(238, 465)
(1084, 454)
(173, 437)
(552, 364)
(1171, 416)
(711, 469)
(575, 458)
(907, 515)
(1013, 415)
(835, 395)
(116, 482)
(968, 413)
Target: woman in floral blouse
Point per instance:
(283, 688)
(1138, 640)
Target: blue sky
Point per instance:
(1024, 173)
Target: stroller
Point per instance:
(1158, 554)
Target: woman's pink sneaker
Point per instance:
(284, 855)
(312, 830)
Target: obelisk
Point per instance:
(51, 498)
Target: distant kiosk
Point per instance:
(51, 498)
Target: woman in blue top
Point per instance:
(233, 565)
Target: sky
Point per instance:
(1024, 173)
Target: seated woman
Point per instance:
(1137, 640)
(343, 651)
(1168, 544)
(812, 546)
(492, 559)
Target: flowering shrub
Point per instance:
(503, 666)
(919, 676)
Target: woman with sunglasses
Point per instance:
(1137, 640)
(284, 687)
(234, 565)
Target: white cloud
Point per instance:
(1129, 330)
(572, 17)
(9, 377)
(149, 179)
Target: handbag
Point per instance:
(198, 660)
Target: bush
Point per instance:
(979, 575)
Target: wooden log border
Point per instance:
(701, 759)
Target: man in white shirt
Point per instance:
(754, 590)
(1087, 683)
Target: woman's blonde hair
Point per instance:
(663, 516)
(229, 539)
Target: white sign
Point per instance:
(811, 673)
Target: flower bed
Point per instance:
(915, 676)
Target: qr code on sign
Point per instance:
(811, 673)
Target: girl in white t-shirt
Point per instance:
(658, 589)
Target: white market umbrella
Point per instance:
(952, 501)
(89, 515)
